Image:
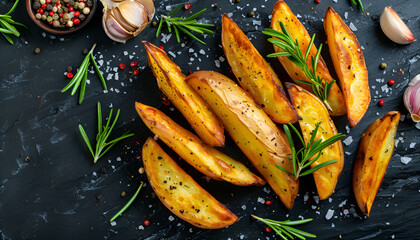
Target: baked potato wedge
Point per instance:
(375, 151)
(171, 82)
(189, 147)
(349, 64)
(282, 13)
(180, 193)
(312, 112)
(253, 131)
(254, 74)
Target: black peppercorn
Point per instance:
(71, 2)
(69, 69)
(89, 3)
(82, 17)
(49, 7)
(375, 17)
(36, 5)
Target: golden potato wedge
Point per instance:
(204, 158)
(349, 64)
(282, 13)
(180, 193)
(254, 74)
(253, 131)
(312, 112)
(171, 82)
(375, 151)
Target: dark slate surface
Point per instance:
(48, 183)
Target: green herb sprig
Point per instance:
(127, 204)
(284, 229)
(292, 51)
(301, 159)
(102, 146)
(358, 3)
(6, 23)
(81, 76)
(185, 25)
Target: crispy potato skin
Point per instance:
(204, 158)
(253, 131)
(171, 82)
(375, 151)
(313, 111)
(282, 13)
(180, 193)
(349, 64)
(254, 74)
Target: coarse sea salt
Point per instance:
(405, 160)
(171, 218)
(329, 214)
(348, 140)
(352, 27)
(412, 145)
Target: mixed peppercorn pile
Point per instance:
(62, 13)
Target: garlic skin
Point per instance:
(394, 28)
(412, 98)
(125, 19)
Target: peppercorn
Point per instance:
(69, 75)
(98, 197)
(71, 2)
(123, 194)
(65, 9)
(49, 19)
(154, 24)
(38, 16)
(268, 202)
(62, 25)
(56, 23)
(82, 17)
(187, 6)
(86, 10)
(66, 1)
(238, 1)
(43, 17)
(66, 17)
(89, 3)
(122, 66)
(42, 2)
(375, 17)
(76, 21)
(136, 72)
(36, 5)
(82, 5)
(383, 65)
(37, 50)
(54, 1)
(268, 229)
(85, 51)
(70, 23)
(76, 14)
(60, 10)
(381, 102)
(54, 9)
(69, 69)
(55, 16)
(49, 7)
(391, 82)
(146, 223)
(317, 1)
(251, 13)
(133, 64)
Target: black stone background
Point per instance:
(53, 194)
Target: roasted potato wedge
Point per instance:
(171, 82)
(375, 151)
(282, 13)
(349, 64)
(180, 193)
(204, 158)
(313, 111)
(254, 74)
(253, 131)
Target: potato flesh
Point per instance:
(313, 111)
(204, 158)
(349, 63)
(374, 153)
(171, 82)
(251, 129)
(180, 193)
(282, 13)
(254, 74)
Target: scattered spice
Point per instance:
(136, 72)
(187, 6)
(284, 228)
(146, 223)
(85, 51)
(391, 82)
(123, 194)
(383, 65)
(268, 229)
(69, 75)
(37, 50)
(381, 102)
(69, 68)
(161, 47)
(122, 66)
(133, 64)
(154, 23)
(251, 13)
(317, 1)
(122, 210)
(98, 197)
(268, 202)
(375, 17)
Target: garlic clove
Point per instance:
(412, 98)
(134, 12)
(394, 28)
(114, 30)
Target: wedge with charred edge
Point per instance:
(254, 74)
(204, 158)
(375, 151)
(313, 111)
(282, 13)
(180, 193)
(253, 131)
(349, 64)
(171, 82)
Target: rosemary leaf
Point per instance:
(283, 229)
(127, 204)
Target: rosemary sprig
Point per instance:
(127, 204)
(358, 3)
(185, 25)
(102, 146)
(284, 229)
(292, 51)
(81, 76)
(6, 24)
(304, 157)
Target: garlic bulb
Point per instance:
(412, 98)
(394, 28)
(125, 19)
